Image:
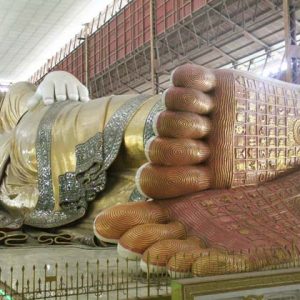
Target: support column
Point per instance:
(86, 55)
(292, 50)
(153, 48)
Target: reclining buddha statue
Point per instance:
(211, 164)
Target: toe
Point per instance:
(188, 100)
(160, 182)
(179, 151)
(176, 152)
(112, 223)
(156, 257)
(181, 125)
(180, 264)
(195, 77)
(135, 241)
(218, 263)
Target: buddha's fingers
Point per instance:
(160, 182)
(195, 77)
(113, 222)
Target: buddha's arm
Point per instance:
(18, 178)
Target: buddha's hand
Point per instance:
(59, 86)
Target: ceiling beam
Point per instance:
(280, 10)
(200, 38)
(244, 31)
(176, 52)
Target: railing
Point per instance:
(110, 279)
(119, 278)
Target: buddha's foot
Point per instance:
(141, 231)
(111, 224)
(220, 129)
(163, 247)
(179, 152)
(236, 230)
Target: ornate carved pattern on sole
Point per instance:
(243, 218)
(296, 132)
(266, 133)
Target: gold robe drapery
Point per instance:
(59, 154)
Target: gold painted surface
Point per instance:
(80, 122)
(133, 155)
(18, 190)
(253, 297)
(118, 190)
(255, 124)
(189, 289)
(75, 124)
(14, 105)
(4, 151)
(115, 102)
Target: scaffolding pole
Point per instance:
(153, 49)
(86, 55)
